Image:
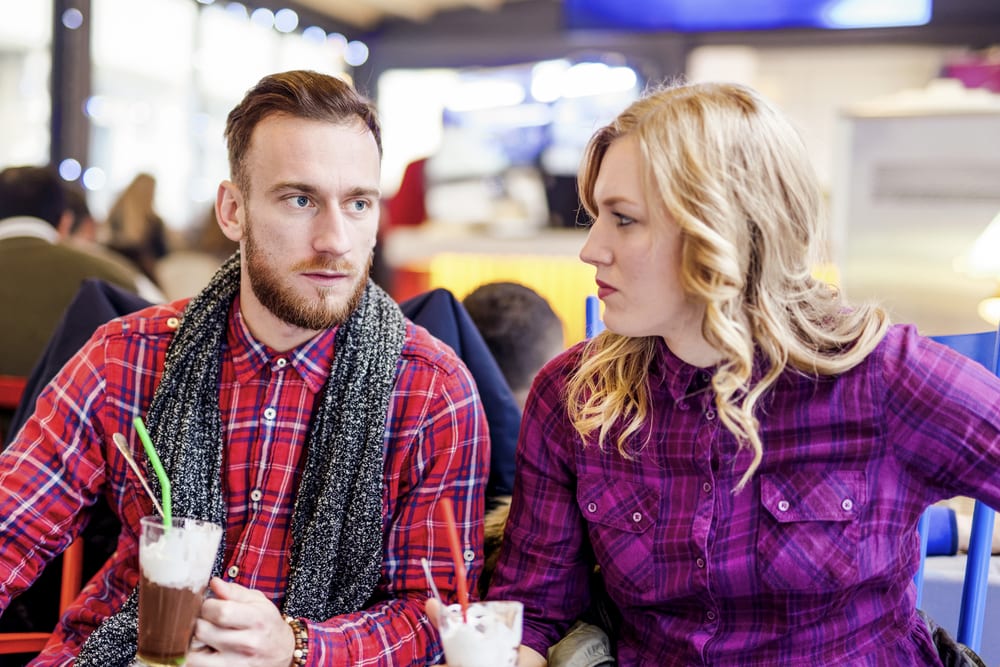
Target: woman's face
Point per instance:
(635, 248)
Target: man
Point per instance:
(39, 272)
(289, 401)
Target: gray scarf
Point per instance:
(337, 521)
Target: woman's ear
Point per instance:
(230, 210)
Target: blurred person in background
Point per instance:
(520, 328)
(743, 454)
(185, 270)
(84, 233)
(522, 332)
(40, 271)
(135, 229)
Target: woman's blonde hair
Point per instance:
(733, 173)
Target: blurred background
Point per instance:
(487, 104)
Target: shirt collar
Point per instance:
(26, 226)
(683, 380)
(311, 360)
(675, 375)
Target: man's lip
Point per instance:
(324, 275)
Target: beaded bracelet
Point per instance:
(301, 651)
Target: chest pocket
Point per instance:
(808, 531)
(620, 515)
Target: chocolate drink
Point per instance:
(166, 622)
(174, 568)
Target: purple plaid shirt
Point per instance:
(811, 564)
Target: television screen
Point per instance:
(732, 15)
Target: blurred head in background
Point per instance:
(37, 192)
(520, 328)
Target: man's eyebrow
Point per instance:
(292, 185)
(312, 189)
(365, 192)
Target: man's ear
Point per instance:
(230, 210)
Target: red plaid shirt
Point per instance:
(436, 446)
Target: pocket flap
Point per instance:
(627, 506)
(837, 495)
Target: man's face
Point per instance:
(307, 225)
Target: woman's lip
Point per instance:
(604, 291)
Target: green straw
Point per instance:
(161, 474)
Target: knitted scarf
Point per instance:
(337, 520)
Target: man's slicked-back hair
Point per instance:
(300, 94)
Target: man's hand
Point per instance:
(240, 626)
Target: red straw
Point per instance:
(448, 513)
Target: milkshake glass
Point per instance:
(489, 637)
(174, 567)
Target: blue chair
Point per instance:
(985, 348)
(592, 311)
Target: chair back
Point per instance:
(11, 392)
(985, 348)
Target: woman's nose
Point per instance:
(595, 250)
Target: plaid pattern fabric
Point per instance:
(811, 564)
(436, 445)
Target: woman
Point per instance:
(136, 230)
(743, 455)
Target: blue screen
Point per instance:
(729, 15)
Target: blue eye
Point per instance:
(359, 205)
(301, 200)
(624, 220)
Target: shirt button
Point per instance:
(705, 377)
(270, 414)
(281, 362)
(469, 555)
(683, 406)
(710, 415)
(173, 322)
(710, 615)
(637, 516)
(233, 571)
(256, 495)
(591, 507)
(700, 562)
(783, 505)
(848, 504)
(706, 487)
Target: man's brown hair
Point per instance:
(298, 93)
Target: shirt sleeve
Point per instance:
(438, 448)
(543, 560)
(943, 416)
(51, 472)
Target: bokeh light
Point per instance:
(286, 20)
(72, 18)
(356, 53)
(94, 178)
(69, 169)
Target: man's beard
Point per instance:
(278, 297)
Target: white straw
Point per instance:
(430, 580)
(122, 446)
